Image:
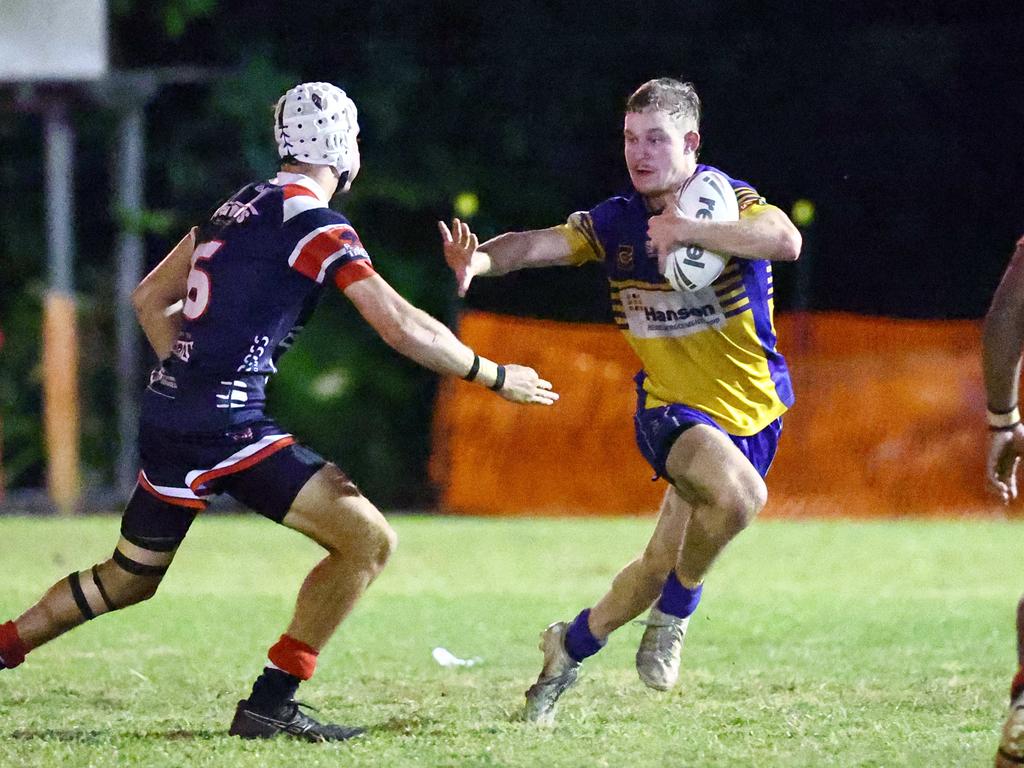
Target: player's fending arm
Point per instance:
(502, 254)
(157, 299)
(420, 337)
(762, 232)
(1002, 340)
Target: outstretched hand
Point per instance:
(1004, 451)
(460, 245)
(524, 385)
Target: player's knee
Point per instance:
(368, 544)
(125, 588)
(379, 545)
(737, 504)
(107, 587)
(140, 589)
(758, 494)
(391, 543)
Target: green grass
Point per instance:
(817, 644)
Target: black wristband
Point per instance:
(499, 380)
(474, 368)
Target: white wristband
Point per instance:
(488, 372)
(1003, 420)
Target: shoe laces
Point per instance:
(666, 644)
(672, 621)
(298, 707)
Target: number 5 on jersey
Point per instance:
(199, 288)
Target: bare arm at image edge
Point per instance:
(1002, 339)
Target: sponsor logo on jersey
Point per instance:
(671, 315)
(624, 258)
(233, 395)
(241, 435)
(159, 375)
(182, 349)
(251, 361)
(235, 211)
(666, 314)
(162, 383)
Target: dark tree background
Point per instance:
(901, 122)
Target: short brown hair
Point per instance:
(674, 97)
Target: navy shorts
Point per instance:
(257, 463)
(657, 429)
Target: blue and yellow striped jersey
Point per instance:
(712, 349)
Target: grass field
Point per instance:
(817, 644)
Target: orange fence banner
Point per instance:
(889, 420)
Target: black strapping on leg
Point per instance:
(153, 524)
(138, 569)
(80, 601)
(102, 591)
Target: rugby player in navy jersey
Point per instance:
(1002, 342)
(219, 311)
(712, 390)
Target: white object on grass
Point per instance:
(446, 658)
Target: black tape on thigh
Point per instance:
(153, 524)
(136, 568)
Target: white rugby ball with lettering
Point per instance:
(705, 195)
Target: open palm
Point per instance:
(459, 244)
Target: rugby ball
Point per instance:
(705, 195)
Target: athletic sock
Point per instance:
(294, 657)
(289, 662)
(677, 600)
(579, 640)
(12, 647)
(1017, 686)
(272, 688)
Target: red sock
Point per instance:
(12, 647)
(294, 657)
(1017, 686)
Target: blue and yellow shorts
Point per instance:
(657, 429)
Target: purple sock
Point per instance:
(677, 600)
(579, 640)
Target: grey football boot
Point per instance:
(558, 675)
(657, 658)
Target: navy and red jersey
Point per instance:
(258, 269)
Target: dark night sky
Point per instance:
(901, 121)
(902, 125)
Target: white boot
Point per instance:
(657, 658)
(556, 677)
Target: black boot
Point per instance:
(271, 709)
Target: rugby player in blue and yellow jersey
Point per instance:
(712, 390)
(220, 310)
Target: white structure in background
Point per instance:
(51, 47)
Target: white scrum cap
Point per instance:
(317, 123)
